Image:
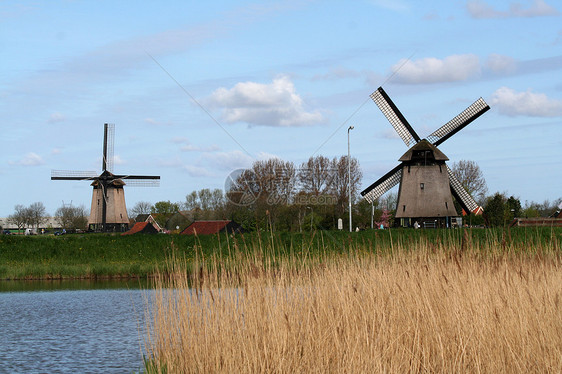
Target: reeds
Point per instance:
(421, 306)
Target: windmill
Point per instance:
(427, 185)
(108, 210)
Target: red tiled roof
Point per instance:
(140, 227)
(205, 227)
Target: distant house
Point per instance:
(142, 228)
(212, 227)
(181, 219)
(148, 218)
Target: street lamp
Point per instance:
(349, 175)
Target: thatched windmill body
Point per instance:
(427, 185)
(108, 209)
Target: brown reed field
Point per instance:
(420, 306)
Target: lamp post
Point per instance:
(349, 175)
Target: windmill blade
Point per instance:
(465, 200)
(73, 175)
(383, 184)
(394, 116)
(131, 182)
(449, 129)
(140, 180)
(108, 146)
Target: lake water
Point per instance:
(71, 327)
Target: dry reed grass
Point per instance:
(420, 308)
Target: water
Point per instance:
(64, 328)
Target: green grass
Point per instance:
(112, 256)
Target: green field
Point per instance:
(101, 256)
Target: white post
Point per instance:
(349, 177)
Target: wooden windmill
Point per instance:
(108, 210)
(427, 185)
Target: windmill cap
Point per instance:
(424, 145)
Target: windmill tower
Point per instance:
(108, 210)
(427, 185)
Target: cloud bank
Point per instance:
(276, 104)
(433, 70)
(512, 103)
(538, 8)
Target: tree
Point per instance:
(514, 207)
(501, 210)
(20, 217)
(494, 209)
(37, 214)
(142, 207)
(192, 201)
(164, 207)
(163, 210)
(342, 181)
(71, 217)
(316, 175)
(471, 178)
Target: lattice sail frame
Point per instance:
(459, 122)
(73, 175)
(110, 146)
(383, 185)
(461, 193)
(395, 117)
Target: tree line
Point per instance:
(280, 195)
(35, 215)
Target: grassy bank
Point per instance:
(485, 301)
(110, 256)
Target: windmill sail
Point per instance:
(395, 117)
(449, 129)
(460, 194)
(108, 146)
(384, 184)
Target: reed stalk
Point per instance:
(449, 305)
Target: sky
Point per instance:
(199, 89)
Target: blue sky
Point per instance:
(199, 89)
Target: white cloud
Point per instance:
(501, 64)
(30, 159)
(433, 70)
(512, 103)
(537, 8)
(56, 117)
(196, 171)
(186, 146)
(229, 160)
(276, 104)
(56, 151)
(117, 160)
(196, 148)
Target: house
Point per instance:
(142, 228)
(212, 227)
(149, 218)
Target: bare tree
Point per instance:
(71, 217)
(191, 201)
(204, 197)
(20, 218)
(343, 179)
(471, 177)
(142, 207)
(316, 175)
(37, 214)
